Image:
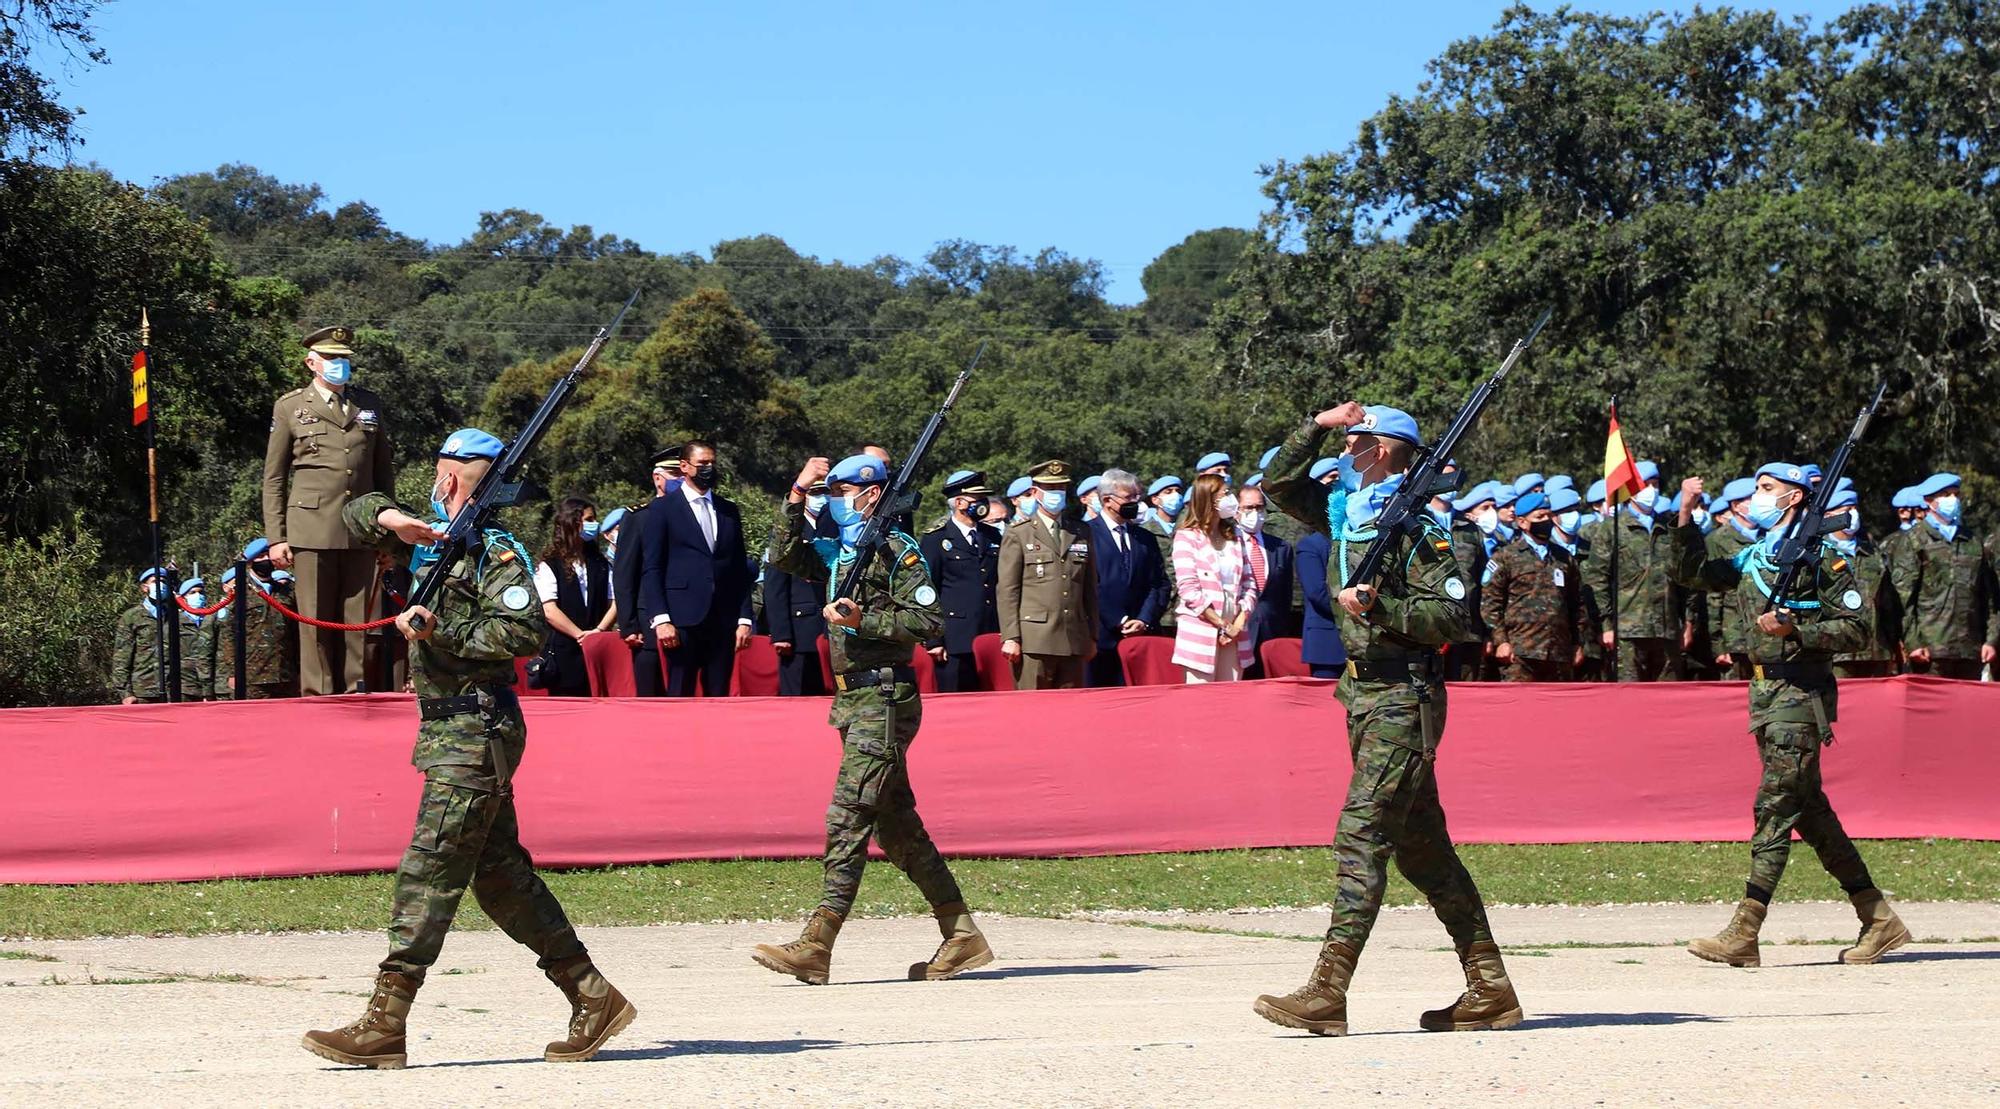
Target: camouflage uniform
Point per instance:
(1651, 612)
(466, 830)
(871, 793)
(135, 657)
(1793, 700)
(1946, 592)
(1391, 691)
(1877, 658)
(1534, 602)
(1734, 617)
(270, 646)
(1466, 658)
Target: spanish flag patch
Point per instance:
(912, 559)
(1441, 544)
(1839, 564)
(503, 554)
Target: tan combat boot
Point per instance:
(1488, 1001)
(964, 947)
(1882, 931)
(376, 1040)
(597, 1011)
(1736, 944)
(1319, 1006)
(810, 957)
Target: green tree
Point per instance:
(1184, 282)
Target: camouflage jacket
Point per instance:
(486, 617)
(1468, 546)
(270, 641)
(135, 657)
(1827, 619)
(1650, 604)
(1535, 602)
(1946, 593)
(1731, 615)
(1871, 578)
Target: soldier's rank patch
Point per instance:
(516, 598)
(1851, 598)
(925, 595)
(1454, 588)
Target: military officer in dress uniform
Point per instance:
(329, 444)
(964, 556)
(1048, 589)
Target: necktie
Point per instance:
(706, 515)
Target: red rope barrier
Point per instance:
(210, 610)
(328, 624)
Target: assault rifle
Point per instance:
(1424, 479)
(901, 495)
(1799, 550)
(501, 487)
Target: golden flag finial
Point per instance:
(145, 329)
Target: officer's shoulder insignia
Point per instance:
(924, 595)
(1454, 588)
(515, 597)
(1851, 598)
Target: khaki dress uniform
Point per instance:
(1048, 592)
(326, 449)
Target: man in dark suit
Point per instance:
(695, 580)
(964, 557)
(1321, 651)
(625, 579)
(792, 611)
(1132, 588)
(1273, 617)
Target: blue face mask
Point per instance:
(1054, 500)
(589, 530)
(1764, 513)
(848, 518)
(1170, 505)
(816, 503)
(437, 501)
(1946, 508)
(1350, 478)
(338, 371)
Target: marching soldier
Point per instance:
(964, 554)
(1945, 589)
(270, 638)
(877, 710)
(329, 444)
(470, 741)
(1395, 700)
(1793, 705)
(1533, 600)
(1048, 589)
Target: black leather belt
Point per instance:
(440, 708)
(1392, 669)
(870, 679)
(1796, 672)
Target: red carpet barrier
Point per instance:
(173, 792)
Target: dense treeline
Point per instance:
(1741, 223)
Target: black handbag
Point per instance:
(542, 669)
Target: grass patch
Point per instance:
(28, 956)
(1587, 873)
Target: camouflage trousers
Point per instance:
(467, 834)
(1791, 798)
(1538, 670)
(1393, 811)
(872, 799)
(1649, 660)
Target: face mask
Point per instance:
(1569, 522)
(1700, 518)
(1764, 512)
(1946, 508)
(1853, 518)
(703, 476)
(1350, 478)
(437, 501)
(1170, 505)
(1906, 525)
(1054, 500)
(1648, 497)
(1023, 509)
(281, 577)
(1486, 519)
(337, 371)
(1128, 511)
(847, 517)
(1226, 507)
(976, 511)
(589, 530)
(1252, 519)
(1541, 530)
(816, 503)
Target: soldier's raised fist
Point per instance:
(1341, 417)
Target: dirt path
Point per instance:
(1112, 1010)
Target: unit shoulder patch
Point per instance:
(1454, 588)
(515, 597)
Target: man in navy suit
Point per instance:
(964, 557)
(1322, 650)
(1131, 575)
(1273, 617)
(792, 611)
(625, 579)
(694, 583)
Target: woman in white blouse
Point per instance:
(574, 581)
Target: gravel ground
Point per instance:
(1114, 1009)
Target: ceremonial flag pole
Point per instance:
(1621, 483)
(142, 416)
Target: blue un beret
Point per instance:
(958, 476)
(1162, 484)
(1935, 484)
(1503, 494)
(1785, 472)
(1811, 470)
(1739, 490)
(1019, 486)
(1212, 458)
(1844, 498)
(190, 586)
(1322, 468)
(1089, 485)
(1530, 503)
(1264, 460)
(1562, 500)
(1558, 481)
(1906, 497)
(150, 573)
(229, 575)
(859, 469)
(1388, 423)
(1256, 481)
(469, 444)
(1595, 495)
(611, 520)
(256, 548)
(1649, 471)
(1527, 481)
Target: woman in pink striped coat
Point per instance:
(1217, 572)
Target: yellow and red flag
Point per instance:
(139, 406)
(1621, 470)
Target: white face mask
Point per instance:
(1226, 507)
(1252, 519)
(1946, 508)
(1648, 497)
(1487, 519)
(1568, 522)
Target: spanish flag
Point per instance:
(139, 405)
(1621, 471)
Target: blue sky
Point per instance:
(1109, 130)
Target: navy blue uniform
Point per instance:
(792, 612)
(1322, 651)
(966, 575)
(1131, 585)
